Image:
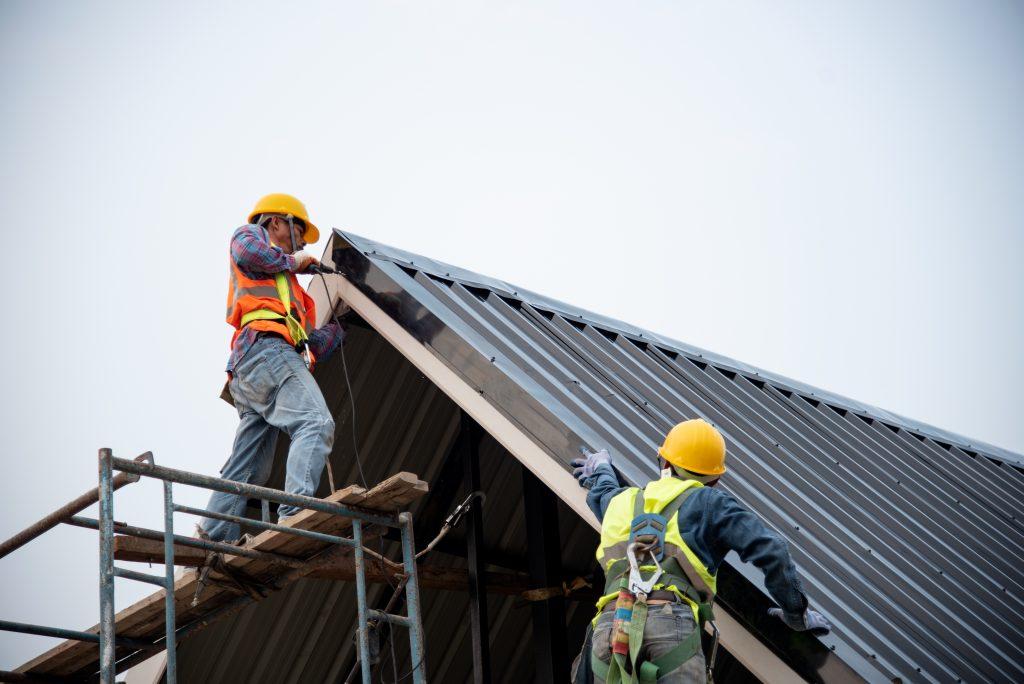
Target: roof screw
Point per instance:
(832, 647)
(492, 359)
(448, 274)
(796, 527)
(873, 657)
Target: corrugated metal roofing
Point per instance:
(908, 538)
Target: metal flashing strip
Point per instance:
(740, 642)
(379, 251)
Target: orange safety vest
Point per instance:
(276, 303)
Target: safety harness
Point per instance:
(295, 328)
(646, 553)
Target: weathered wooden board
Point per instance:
(145, 619)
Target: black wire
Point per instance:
(348, 384)
(362, 476)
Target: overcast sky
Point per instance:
(829, 191)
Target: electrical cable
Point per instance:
(451, 521)
(348, 384)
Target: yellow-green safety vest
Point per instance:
(687, 577)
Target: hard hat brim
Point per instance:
(720, 471)
(311, 235)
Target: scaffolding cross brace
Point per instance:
(144, 466)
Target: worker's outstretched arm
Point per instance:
(733, 527)
(252, 251)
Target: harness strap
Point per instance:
(638, 503)
(295, 329)
(668, 512)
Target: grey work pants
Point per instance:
(666, 626)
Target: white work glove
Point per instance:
(811, 621)
(303, 261)
(583, 468)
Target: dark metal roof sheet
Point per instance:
(908, 537)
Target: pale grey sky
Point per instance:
(830, 191)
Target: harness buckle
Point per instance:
(637, 584)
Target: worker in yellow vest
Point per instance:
(273, 350)
(661, 547)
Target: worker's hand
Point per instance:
(583, 468)
(811, 621)
(303, 261)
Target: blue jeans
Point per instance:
(666, 626)
(273, 391)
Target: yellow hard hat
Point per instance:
(695, 445)
(280, 203)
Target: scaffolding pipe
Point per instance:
(262, 525)
(252, 491)
(61, 633)
(106, 528)
(219, 547)
(76, 505)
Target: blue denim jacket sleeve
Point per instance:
(603, 486)
(713, 523)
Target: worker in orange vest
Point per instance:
(273, 350)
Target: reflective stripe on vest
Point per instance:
(615, 528)
(272, 301)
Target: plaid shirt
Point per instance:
(257, 258)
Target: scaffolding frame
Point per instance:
(144, 466)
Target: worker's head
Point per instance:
(284, 207)
(694, 449)
(287, 232)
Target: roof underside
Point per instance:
(921, 577)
